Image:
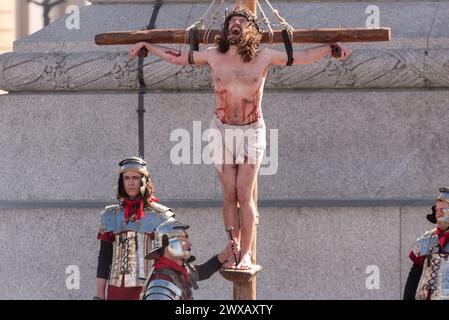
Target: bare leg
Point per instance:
(230, 211)
(246, 177)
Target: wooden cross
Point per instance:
(299, 35)
(244, 281)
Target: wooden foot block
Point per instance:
(236, 275)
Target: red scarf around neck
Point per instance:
(134, 208)
(164, 263)
(442, 238)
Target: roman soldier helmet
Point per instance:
(136, 164)
(168, 235)
(443, 196)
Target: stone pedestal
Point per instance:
(356, 152)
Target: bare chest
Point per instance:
(227, 72)
(226, 76)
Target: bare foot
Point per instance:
(229, 264)
(245, 262)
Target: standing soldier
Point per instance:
(429, 276)
(125, 233)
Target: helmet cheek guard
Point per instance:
(143, 185)
(168, 235)
(176, 249)
(444, 220)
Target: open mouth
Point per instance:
(236, 31)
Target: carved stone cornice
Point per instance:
(90, 71)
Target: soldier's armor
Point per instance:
(434, 282)
(176, 289)
(132, 242)
(160, 289)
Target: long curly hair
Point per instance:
(249, 42)
(146, 198)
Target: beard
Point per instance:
(235, 42)
(247, 44)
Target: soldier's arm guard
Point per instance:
(412, 282)
(206, 270)
(162, 290)
(104, 260)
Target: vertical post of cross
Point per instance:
(251, 5)
(244, 281)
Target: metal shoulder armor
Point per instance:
(160, 289)
(108, 211)
(426, 244)
(161, 209)
(113, 219)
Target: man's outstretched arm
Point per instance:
(170, 55)
(307, 56)
(206, 270)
